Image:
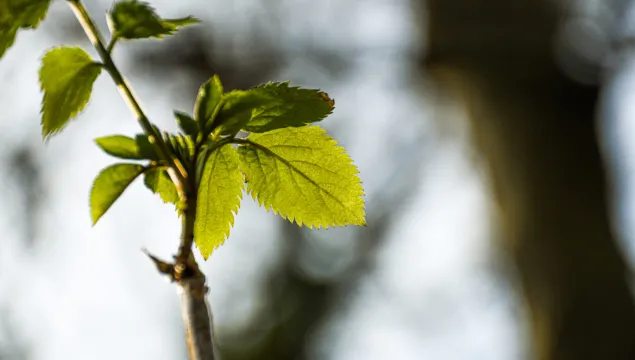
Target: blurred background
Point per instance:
(495, 141)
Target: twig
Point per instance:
(178, 173)
(185, 271)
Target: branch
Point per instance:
(177, 173)
(195, 310)
(197, 317)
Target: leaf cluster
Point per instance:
(288, 165)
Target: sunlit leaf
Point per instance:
(219, 195)
(208, 99)
(120, 146)
(138, 20)
(66, 77)
(109, 185)
(237, 110)
(303, 175)
(159, 182)
(288, 107)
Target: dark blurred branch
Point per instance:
(28, 181)
(537, 129)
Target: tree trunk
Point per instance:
(536, 129)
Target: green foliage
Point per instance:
(19, 14)
(159, 182)
(137, 20)
(181, 146)
(109, 185)
(186, 123)
(146, 148)
(296, 170)
(219, 195)
(66, 77)
(124, 147)
(288, 107)
(237, 109)
(207, 101)
(303, 175)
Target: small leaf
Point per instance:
(288, 107)
(237, 109)
(208, 99)
(302, 174)
(146, 149)
(7, 37)
(138, 20)
(67, 76)
(186, 123)
(120, 146)
(159, 182)
(219, 195)
(19, 14)
(109, 185)
(29, 13)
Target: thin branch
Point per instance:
(178, 173)
(195, 310)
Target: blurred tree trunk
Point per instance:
(536, 129)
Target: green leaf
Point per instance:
(146, 150)
(208, 99)
(137, 20)
(302, 174)
(236, 110)
(159, 182)
(219, 195)
(28, 13)
(66, 77)
(120, 146)
(288, 107)
(7, 37)
(109, 185)
(186, 123)
(19, 14)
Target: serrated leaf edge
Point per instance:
(269, 207)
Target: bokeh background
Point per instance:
(428, 278)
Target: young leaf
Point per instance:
(28, 13)
(302, 174)
(219, 195)
(146, 150)
(7, 37)
(186, 123)
(209, 96)
(19, 14)
(66, 77)
(237, 109)
(159, 182)
(109, 185)
(120, 146)
(137, 20)
(288, 107)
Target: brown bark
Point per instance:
(536, 129)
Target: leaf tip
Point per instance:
(327, 99)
